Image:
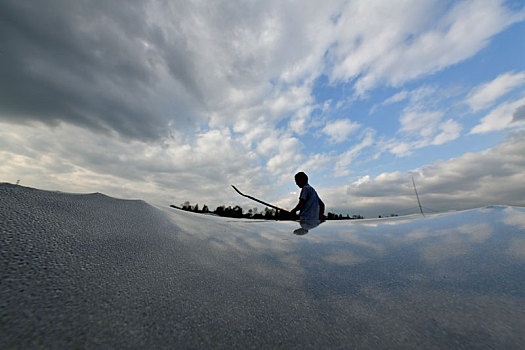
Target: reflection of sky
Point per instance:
(433, 238)
(515, 217)
(447, 271)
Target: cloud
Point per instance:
(199, 168)
(519, 115)
(501, 117)
(494, 176)
(428, 118)
(145, 67)
(299, 122)
(398, 97)
(485, 95)
(418, 122)
(338, 130)
(391, 43)
(424, 94)
(70, 158)
(285, 159)
(420, 128)
(450, 130)
(85, 65)
(316, 163)
(343, 161)
(176, 100)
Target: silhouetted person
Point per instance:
(310, 205)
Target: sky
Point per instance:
(174, 101)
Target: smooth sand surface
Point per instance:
(93, 271)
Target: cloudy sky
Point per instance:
(173, 101)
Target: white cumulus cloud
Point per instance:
(338, 130)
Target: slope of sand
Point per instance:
(94, 271)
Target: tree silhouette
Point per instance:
(267, 214)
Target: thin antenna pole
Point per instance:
(417, 196)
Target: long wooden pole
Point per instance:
(260, 201)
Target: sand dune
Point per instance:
(94, 271)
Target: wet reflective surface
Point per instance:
(450, 280)
(91, 270)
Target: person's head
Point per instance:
(301, 179)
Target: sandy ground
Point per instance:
(92, 271)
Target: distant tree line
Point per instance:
(332, 216)
(267, 213)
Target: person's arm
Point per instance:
(302, 201)
(321, 210)
(299, 206)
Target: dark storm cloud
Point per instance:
(90, 63)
